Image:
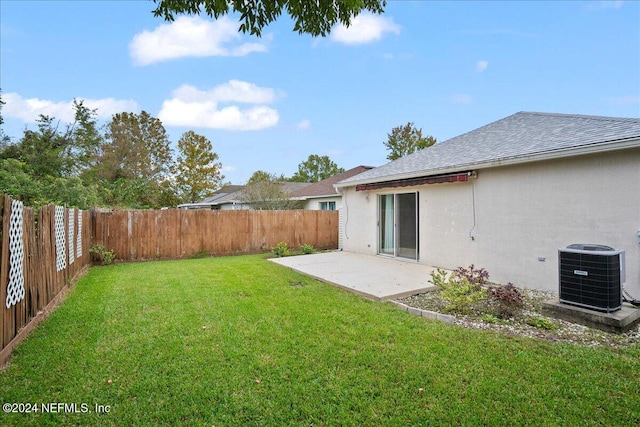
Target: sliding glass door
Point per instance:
(398, 225)
(386, 224)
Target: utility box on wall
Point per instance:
(591, 276)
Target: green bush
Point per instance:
(542, 323)
(459, 293)
(101, 254)
(281, 250)
(307, 248)
(489, 318)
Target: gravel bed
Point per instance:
(562, 331)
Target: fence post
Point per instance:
(4, 267)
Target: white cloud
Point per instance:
(191, 106)
(303, 124)
(190, 36)
(28, 110)
(461, 98)
(364, 28)
(481, 66)
(232, 91)
(229, 168)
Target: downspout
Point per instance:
(473, 203)
(473, 207)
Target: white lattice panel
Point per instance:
(79, 236)
(72, 240)
(61, 259)
(15, 287)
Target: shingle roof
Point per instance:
(228, 189)
(518, 136)
(325, 187)
(238, 196)
(235, 194)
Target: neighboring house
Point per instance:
(322, 195)
(233, 197)
(241, 199)
(214, 200)
(505, 197)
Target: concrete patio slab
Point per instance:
(374, 277)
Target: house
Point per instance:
(212, 201)
(322, 195)
(236, 197)
(505, 197)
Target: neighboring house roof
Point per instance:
(521, 137)
(234, 194)
(232, 197)
(211, 200)
(292, 187)
(239, 196)
(325, 187)
(228, 189)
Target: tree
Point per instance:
(198, 172)
(265, 191)
(85, 141)
(43, 151)
(43, 166)
(311, 17)
(316, 168)
(16, 181)
(132, 193)
(261, 176)
(136, 146)
(405, 140)
(70, 191)
(135, 160)
(51, 152)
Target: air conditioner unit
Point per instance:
(591, 276)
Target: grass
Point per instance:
(240, 341)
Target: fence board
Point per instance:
(169, 234)
(43, 285)
(8, 315)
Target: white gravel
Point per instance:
(563, 331)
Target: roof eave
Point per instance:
(321, 196)
(506, 161)
(194, 205)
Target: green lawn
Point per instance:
(240, 341)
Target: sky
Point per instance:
(268, 103)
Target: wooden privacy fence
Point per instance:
(39, 258)
(173, 233)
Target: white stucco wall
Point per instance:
(522, 213)
(234, 206)
(314, 204)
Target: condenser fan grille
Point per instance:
(591, 276)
